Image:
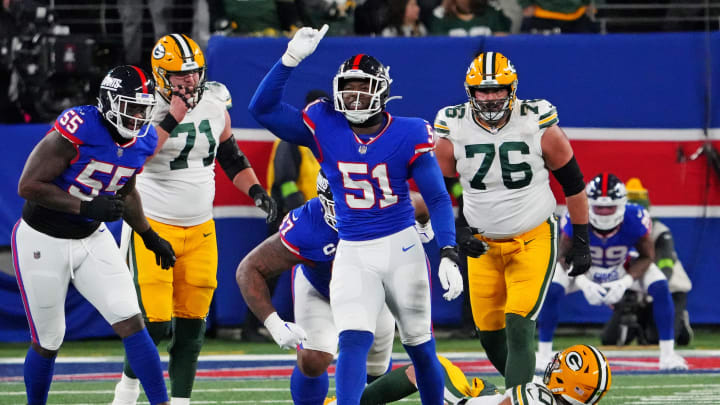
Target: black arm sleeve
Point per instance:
(231, 158)
(570, 178)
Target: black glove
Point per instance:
(264, 202)
(164, 253)
(468, 243)
(451, 252)
(103, 208)
(579, 255)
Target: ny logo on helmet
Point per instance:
(111, 83)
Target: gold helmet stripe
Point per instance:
(183, 45)
(489, 71)
(603, 378)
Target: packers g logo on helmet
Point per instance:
(580, 374)
(491, 70)
(177, 54)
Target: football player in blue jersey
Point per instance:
(616, 228)
(368, 156)
(79, 176)
(306, 242)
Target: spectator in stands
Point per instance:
(460, 18)
(557, 16)
(404, 20)
(8, 29)
(253, 17)
(339, 15)
(513, 11)
(371, 16)
(131, 17)
(640, 309)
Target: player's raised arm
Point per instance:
(266, 106)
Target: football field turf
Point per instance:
(240, 373)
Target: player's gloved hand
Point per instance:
(616, 289)
(468, 243)
(449, 273)
(579, 255)
(164, 253)
(594, 293)
(302, 45)
(103, 208)
(425, 231)
(264, 202)
(287, 335)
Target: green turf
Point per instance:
(704, 339)
(645, 389)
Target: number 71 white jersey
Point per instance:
(506, 187)
(177, 185)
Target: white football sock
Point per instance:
(667, 347)
(545, 349)
(179, 401)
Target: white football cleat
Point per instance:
(126, 394)
(673, 362)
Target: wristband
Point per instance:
(168, 123)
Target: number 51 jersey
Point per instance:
(178, 183)
(506, 187)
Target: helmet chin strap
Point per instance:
(374, 119)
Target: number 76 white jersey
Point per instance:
(506, 187)
(177, 186)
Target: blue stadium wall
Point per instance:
(636, 105)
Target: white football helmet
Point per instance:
(607, 198)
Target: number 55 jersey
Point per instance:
(506, 188)
(178, 184)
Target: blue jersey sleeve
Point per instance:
(76, 124)
(638, 221)
(429, 179)
(306, 234)
(282, 119)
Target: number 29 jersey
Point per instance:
(178, 183)
(506, 187)
(612, 250)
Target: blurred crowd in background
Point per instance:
(53, 53)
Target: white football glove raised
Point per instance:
(425, 231)
(616, 289)
(594, 293)
(450, 279)
(287, 335)
(302, 45)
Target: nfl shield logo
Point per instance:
(120, 152)
(362, 149)
(36, 254)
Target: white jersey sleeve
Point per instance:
(506, 186)
(177, 186)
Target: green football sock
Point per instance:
(158, 331)
(495, 344)
(521, 354)
(393, 386)
(184, 349)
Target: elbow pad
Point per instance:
(231, 158)
(570, 178)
